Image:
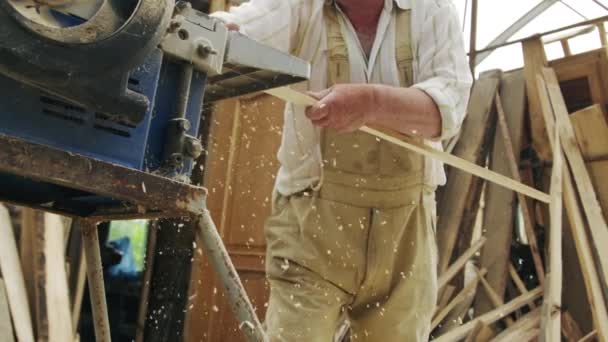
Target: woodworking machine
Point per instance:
(122, 82)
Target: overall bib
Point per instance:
(363, 244)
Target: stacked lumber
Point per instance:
(35, 301)
(513, 268)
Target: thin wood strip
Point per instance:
(490, 317)
(589, 337)
(290, 95)
(519, 283)
(570, 329)
(494, 297)
(577, 226)
(591, 206)
(530, 321)
(459, 298)
(445, 298)
(13, 279)
(6, 327)
(551, 318)
(57, 297)
(81, 282)
(460, 262)
(528, 225)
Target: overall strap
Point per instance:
(403, 47)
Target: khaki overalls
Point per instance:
(363, 244)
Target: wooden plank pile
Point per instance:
(35, 301)
(512, 268)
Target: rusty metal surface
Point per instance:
(237, 296)
(146, 193)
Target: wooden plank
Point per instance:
(10, 268)
(534, 60)
(406, 142)
(591, 207)
(552, 301)
(570, 328)
(459, 264)
(577, 226)
(490, 317)
(469, 288)
(58, 299)
(598, 171)
(591, 131)
(529, 321)
(500, 203)
(6, 327)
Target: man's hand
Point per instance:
(343, 107)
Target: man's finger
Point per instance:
(319, 95)
(317, 111)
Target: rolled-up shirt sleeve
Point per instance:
(271, 22)
(442, 67)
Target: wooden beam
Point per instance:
(552, 301)
(460, 263)
(589, 337)
(406, 142)
(591, 207)
(12, 274)
(473, 38)
(534, 60)
(577, 226)
(6, 327)
(490, 317)
(445, 297)
(81, 281)
(57, 296)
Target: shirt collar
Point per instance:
(403, 4)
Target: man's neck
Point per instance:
(362, 13)
(364, 16)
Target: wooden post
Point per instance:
(459, 263)
(13, 279)
(473, 42)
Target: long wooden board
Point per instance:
(13, 279)
(404, 141)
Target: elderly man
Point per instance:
(353, 225)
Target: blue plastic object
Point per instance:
(35, 116)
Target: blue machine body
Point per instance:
(35, 116)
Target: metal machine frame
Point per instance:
(141, 195)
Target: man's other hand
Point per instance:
(343, 107)
(232, 27)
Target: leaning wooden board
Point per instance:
(404, 141)
(6, 328)
(13, 279)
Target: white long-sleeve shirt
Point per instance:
(440, 69)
